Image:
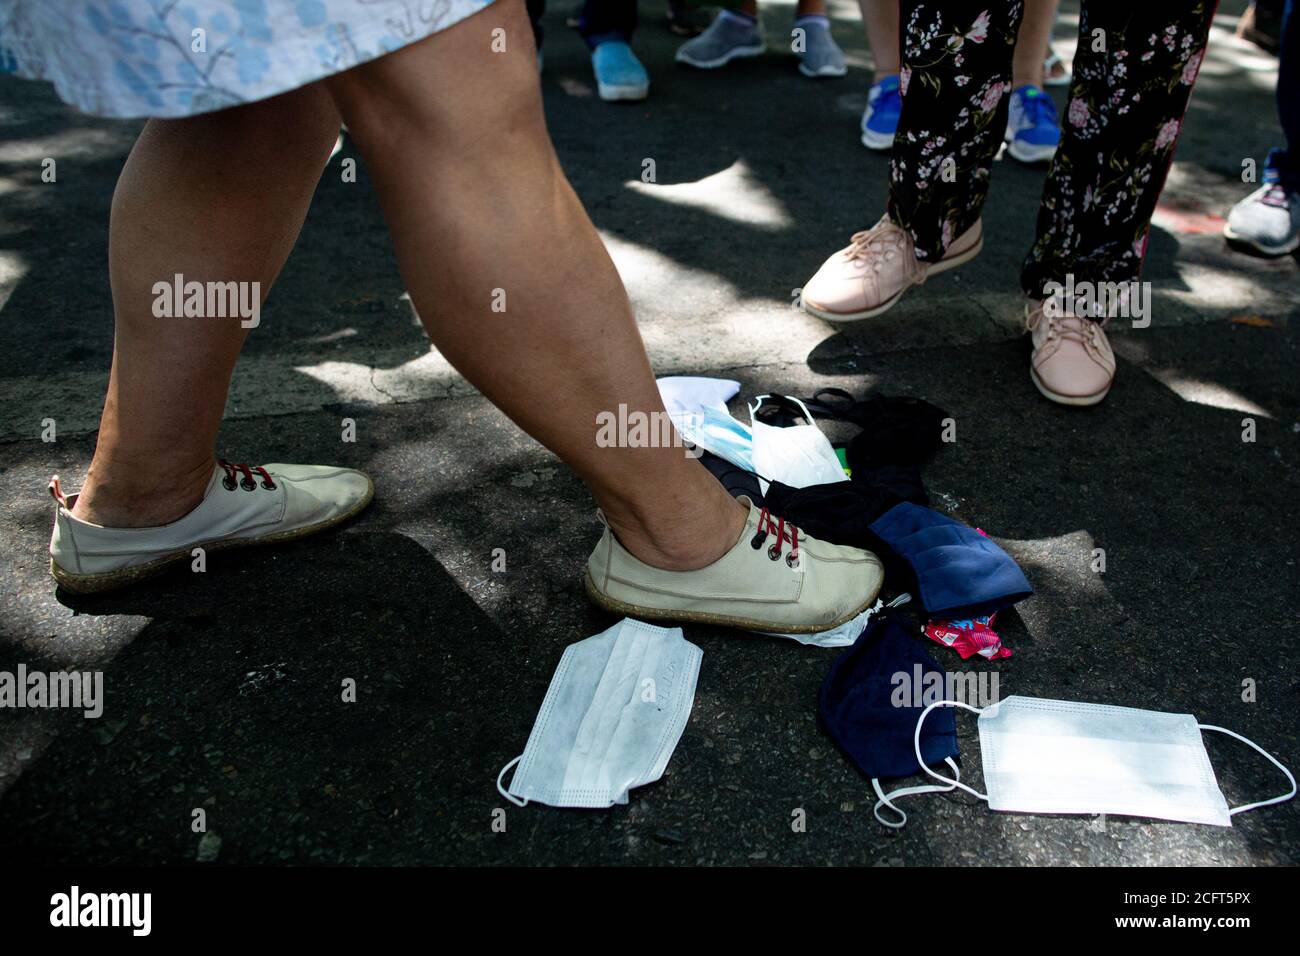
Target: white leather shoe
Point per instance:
(775, 578)
(243, 505)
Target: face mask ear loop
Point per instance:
(916, 744)
(1272, 759)
(887, 800)
(505, 793)
(758, 403)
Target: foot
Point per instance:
(870, 275)
(241, 505)
(1033, 128)
(821, 55)
(773, 578)
(729, 36)
(1072, 363)
(880, 120)
(619, 74)
(1267, 221)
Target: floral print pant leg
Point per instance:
(956, 71)
(1133, 75)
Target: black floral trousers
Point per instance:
(1133, 74)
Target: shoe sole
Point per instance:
(1075, 400)
(615, 606)
(1291, 245)
(1030, 154)
(733, 54)
(826, 71)
(124, 577)
(943, 265)
(879, 141)
(612, 93)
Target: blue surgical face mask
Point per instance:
(713, 428)
(861, 706)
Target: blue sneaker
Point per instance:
(1033, 129)
(880, 121)
(619, 74)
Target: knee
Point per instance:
(469, 89)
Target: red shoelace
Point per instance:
(247, 482)
(785, 531)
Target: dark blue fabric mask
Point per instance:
(863, 706)
(959, 572)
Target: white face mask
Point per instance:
(612, 717)
(1056, 756)
(846, 633)
(797, 455)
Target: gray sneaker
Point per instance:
(821, 55)
(727, 38)
(1268, 220)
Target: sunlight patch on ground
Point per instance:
(1206, 393)
(734, 194)
(12, 269)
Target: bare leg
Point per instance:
(1032, 42)
(880, 17)
(456, 145)
(803, 9)
(217, 197)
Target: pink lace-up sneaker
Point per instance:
(872, 272)
(1072, 362)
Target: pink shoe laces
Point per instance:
(1066, 327)
(882, 243)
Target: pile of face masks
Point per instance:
(619, 701)
(798, 455)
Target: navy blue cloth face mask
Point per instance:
(959, 572)
(870, 703)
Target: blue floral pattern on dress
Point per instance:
(169, 58)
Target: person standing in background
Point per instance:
(1268, 220)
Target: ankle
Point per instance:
(121, 495)
(681, 541)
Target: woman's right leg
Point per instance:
(218, 197)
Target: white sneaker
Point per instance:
(774, 579)
(243, 505)
(1268, 220)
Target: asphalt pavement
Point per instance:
(223, 690)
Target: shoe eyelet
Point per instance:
(756, 542)
(248, 484)
(773, 553)
(790, 561)
(269, 485)
(228, 483)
